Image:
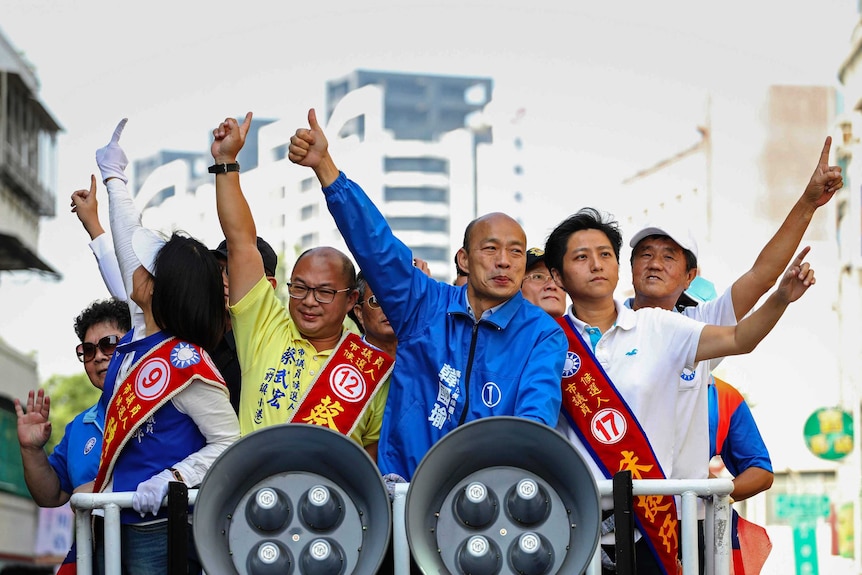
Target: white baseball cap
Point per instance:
(146, 245)
(681, 236)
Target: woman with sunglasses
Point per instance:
(168, 414)
(74, 462)
(72, 466)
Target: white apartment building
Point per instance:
(428, 180)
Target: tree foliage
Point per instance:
(70, 395)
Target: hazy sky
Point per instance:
(608, 87)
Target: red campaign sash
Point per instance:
(164, 371)
(343, 389)
(616, 441)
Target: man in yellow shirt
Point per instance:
(281, 351)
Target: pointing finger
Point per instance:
(797, 262)
(246, 124)
(118, 131)
(824, 154)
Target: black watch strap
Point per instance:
(223, 168)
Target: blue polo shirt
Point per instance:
(76, 457)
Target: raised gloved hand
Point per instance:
(112, 159)
(150, 493)
(391, 479)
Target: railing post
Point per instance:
(690, 559)
(178, 528)
(400, 548)
(113, 565)
(83, 541)
(624, 524)
(722, 526)
(709, 535)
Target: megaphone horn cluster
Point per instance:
(503, 495)
(292, 499)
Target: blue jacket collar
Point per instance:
(500, 318)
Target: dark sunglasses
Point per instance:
(87, 351)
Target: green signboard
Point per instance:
(829, 433)
(801, 507)
(805, 549)
(802, 512)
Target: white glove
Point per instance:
(150, 493)
(390, 479)
(112, 159)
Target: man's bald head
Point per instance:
(324, 253)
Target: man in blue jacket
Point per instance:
(463, 352)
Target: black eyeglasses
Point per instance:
(321, 294)
(87, 351)
(372, 302)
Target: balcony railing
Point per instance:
(715, 493)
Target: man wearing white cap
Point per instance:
(664, 265)
(664, 268)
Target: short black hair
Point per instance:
(584, 219)
(361, 285)
(466, 245)
(362, 288)
(106, 310)
(188, 293)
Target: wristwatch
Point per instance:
(223, 168)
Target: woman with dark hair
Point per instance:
(168, 412)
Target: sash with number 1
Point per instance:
(611, 432)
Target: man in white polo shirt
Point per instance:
(621, 380)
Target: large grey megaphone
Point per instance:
(503, 495)
(292, 499)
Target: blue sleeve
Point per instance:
(385, 261)
(540, 394)
(60, 462)
(744, 446)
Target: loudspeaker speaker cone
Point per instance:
(269, 509)
(531, 554)
(479, 556)
(475, 506)
(321, 508)
(269, 558)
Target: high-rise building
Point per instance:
(420, 107)
(418, 144)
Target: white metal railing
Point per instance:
(714, 493)
(111, 504)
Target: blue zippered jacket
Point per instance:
(450, 369)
